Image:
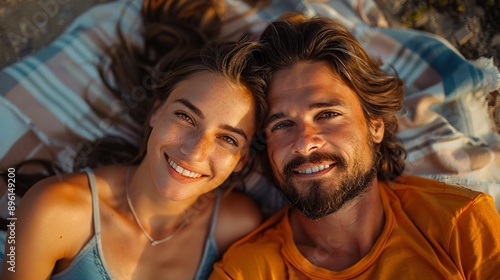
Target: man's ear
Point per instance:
(377, 129)
(154, 113)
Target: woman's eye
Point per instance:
(328, 115)
(184, 117)
(230, 140)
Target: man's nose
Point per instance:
(307, 140)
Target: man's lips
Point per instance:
(181, 170)
(313, 169)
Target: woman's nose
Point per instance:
(197, 147)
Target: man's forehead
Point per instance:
(306, 79)
(301, 93)
(309, 86)
(302, 75)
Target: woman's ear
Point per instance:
(154, 113)
(377, 129)
(242, 163)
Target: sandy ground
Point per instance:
(471, 26)
(28, 25)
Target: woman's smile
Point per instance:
(182, 170)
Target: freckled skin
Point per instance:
(196, 143)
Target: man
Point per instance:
(332, 147)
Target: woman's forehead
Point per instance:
(216, 96)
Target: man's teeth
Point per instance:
(313, 169)
(182, 171)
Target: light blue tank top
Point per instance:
(90, 264)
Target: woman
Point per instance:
(163, 217)
(154, 211)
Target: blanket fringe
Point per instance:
(491, 73)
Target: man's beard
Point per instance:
(319, 198)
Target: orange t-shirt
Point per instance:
(432, 231)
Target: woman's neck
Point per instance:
(154, 212)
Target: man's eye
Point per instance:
(230, 140)
(281, 125)
(184, 117)
(328, 115)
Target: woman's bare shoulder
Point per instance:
(63, 190)
(238, 215)
(54, 220)
(59, 204)
(57, 201)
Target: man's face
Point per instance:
(320, 145)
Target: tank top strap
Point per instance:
(95, 202)
(215, 214)
(210, 251)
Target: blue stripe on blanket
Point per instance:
(427, 144)
(7, 83)
(47, 53)
(457, 73)
(57, 98)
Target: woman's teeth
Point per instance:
(183, 171)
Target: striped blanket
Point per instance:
(55, 101)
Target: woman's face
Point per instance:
(199, 136)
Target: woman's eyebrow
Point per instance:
(235, 130)
(191, 107)
(200, 114)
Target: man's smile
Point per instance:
(313, 169)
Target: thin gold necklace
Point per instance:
(151, 240)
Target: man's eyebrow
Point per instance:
(274, 117)
(235, 130)
(191, 107)
(330, 103)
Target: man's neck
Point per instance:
(341, 239)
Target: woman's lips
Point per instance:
(181, 170)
